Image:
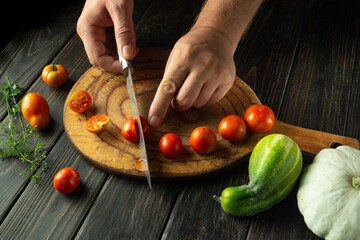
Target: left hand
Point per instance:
(200, 70)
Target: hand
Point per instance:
(105, 26)
(200, 70)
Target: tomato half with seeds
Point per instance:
(232, 128)
(259, 118)
(97, 124)
(55, 75)
(171, 145)
(66, 180)
(130, 129)
(203, 140)
(79, 101)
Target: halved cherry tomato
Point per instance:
(66, 180)
(259, 118)
(35, 110)
(97, 124)
(232, 128)
(55, 75)
(130, 129)
(171, 145)
(203, 140)
(79, 101)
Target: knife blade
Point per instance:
(126, 67)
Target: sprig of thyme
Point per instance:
(19, 140)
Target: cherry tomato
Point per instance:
(35, 110)
(232, 128)
(259, 118)
(55, 75)
(66, 180)
(79, 101)
(170, 145)
(97, 124)
(130, 129)
(203, 140)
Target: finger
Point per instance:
(207, 91)
(94, 44)
(218, 94)
(124, 28)
(188, 92)
(171, 82)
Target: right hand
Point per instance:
(100, 23)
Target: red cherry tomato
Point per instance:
(203, 140)
(130, 129)
(79, 101)
(97, 124)
(35, 110)
(171, 145)
(55, 75)
(66, 180)
(232, 128)
(259, 118)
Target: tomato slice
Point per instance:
(79, 101)
(97, 124)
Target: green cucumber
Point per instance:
(274, 167)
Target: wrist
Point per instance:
(213, 34)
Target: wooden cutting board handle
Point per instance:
(311, 142)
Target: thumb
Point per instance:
(124, 28)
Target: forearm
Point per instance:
(229, 17)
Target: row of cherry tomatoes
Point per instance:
(257, 118)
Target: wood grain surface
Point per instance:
(110, 151)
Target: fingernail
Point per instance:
(128, 51)
(154, 121)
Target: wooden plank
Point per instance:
(128, 209)
(23, 59)
(318, 94)
(197, 215)
(265, 53)
(264, 59)
(166, 22)
(43, 213)
(353, 116)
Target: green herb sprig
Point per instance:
(18, 140)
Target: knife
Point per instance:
(126, 68)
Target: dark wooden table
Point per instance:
(301, 57)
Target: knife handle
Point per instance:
(125, 65)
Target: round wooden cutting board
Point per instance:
(111, 152)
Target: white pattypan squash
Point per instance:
(329, 194)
